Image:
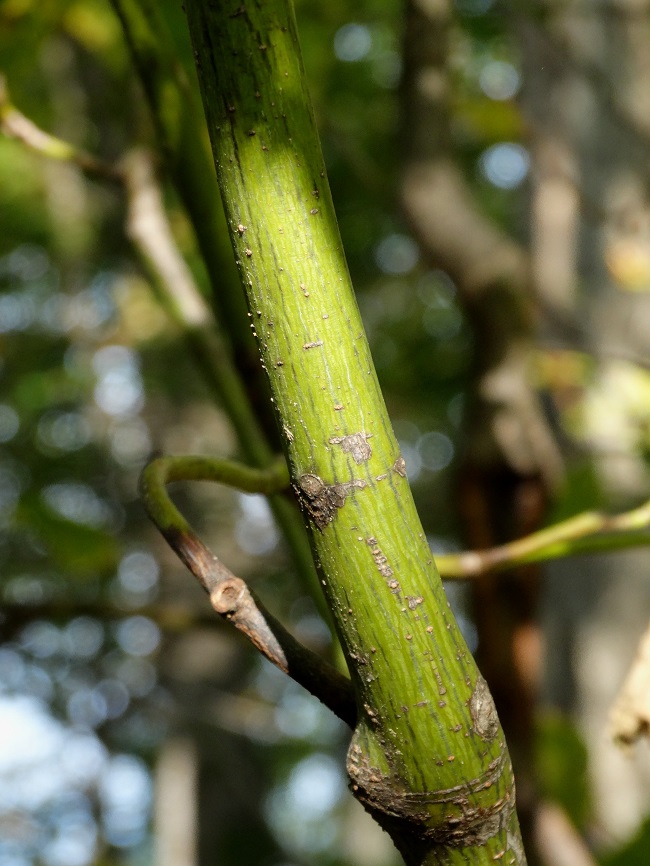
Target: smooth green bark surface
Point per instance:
(428, 757)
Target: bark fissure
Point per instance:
(465, 823)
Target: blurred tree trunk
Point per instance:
(511, 460)
(586, 99)
(175, 818)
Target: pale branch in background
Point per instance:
(14, 124)
(148, 228)
(629, 718)
(558, 841)
(589, 532)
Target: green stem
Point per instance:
(428, 758)
(194, 467)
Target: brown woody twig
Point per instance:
(229, 595)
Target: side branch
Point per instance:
(229, 595)
(590, 532)
(15, 125)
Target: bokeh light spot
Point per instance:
(77, 502)
(119, 389)
(83, 637)
(436, 450)
(9, 422)
(352, 42)
(473, 8)
(138, 635)
(505, 165)
(499, 80)
(255, 531)
(397, 254)
(63, 431)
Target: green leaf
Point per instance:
(75, 549)
(562, 766)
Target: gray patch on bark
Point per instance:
(355, 444)
(399, 466)
(515, 845)
(321, 500)
(484, 715)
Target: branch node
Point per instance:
(226, 597)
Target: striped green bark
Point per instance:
(428, 757)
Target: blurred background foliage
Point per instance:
(117, 686)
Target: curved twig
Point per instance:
(229, 595)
